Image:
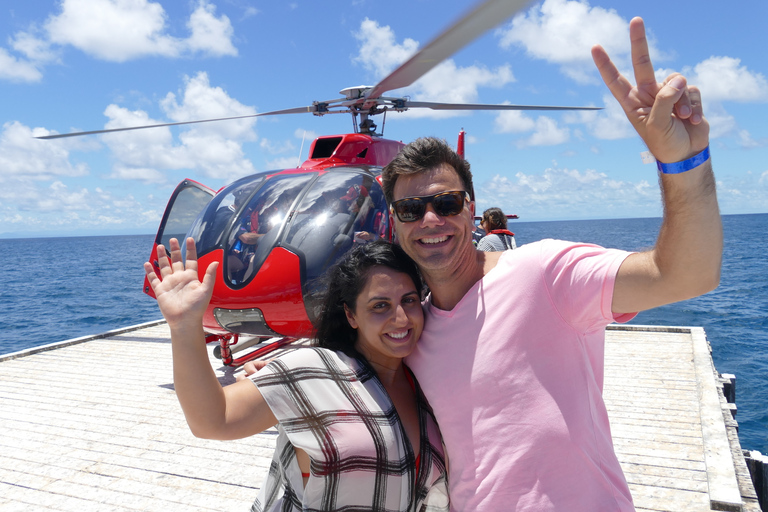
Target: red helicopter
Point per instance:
(274, 233)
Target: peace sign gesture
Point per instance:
(668, 116)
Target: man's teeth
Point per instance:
(398, 335)
(434, 240)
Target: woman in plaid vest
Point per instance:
(355, 431)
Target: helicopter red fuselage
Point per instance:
(303, 220)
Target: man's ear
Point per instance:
(472, 208)
(392, 229)
(350, 317)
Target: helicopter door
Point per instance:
(187, 201)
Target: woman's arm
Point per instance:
(212, 412)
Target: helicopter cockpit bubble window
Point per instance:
(259, 225)
(341, 208)
(210, 225)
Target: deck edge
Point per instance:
(75, 341)
(724, 492)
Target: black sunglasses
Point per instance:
(446, 204)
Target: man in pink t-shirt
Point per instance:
(511, 358)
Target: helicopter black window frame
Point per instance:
(211, 225)
(240, 277)
(371, 193)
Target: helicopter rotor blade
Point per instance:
(482, 18)
(484, 106)
(297, 110)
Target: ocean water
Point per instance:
(55, 289)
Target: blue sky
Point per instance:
(88, 64)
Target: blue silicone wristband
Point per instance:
(685, 165)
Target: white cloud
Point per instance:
(34, 48)
(746, 192)
(216, 156)
(27, 207)
(214, 148)
(746, 141)
(199, 100)
(113, 30)
(15, 70)
(145, 175)
(61, 198)
(721, 80)
(380, 54)
(306, 136)
(547, 133)
(122, 30)
(61, 206)
(513, 121)
(554, 32)
(611, 123)
(725, 79)
(249, 12)
(608, 124)
(275, 147)
(287, 162)
(25, 158)
(116, 31)
(210, 35)
(560, 193)
(721, 123)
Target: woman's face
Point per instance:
(387, 316)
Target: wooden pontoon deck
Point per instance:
(93, 424)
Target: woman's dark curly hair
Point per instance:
(344, 281)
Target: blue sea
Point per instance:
(54, 289)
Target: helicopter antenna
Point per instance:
(303, 138)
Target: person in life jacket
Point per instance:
(498, 237)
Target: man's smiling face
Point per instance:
(434, 242)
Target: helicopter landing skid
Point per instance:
(225, 350)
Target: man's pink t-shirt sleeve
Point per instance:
(573, 289)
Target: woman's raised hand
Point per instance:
(181, 296)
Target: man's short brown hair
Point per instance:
(422, 155)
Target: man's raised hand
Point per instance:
(668, 116)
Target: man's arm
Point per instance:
(687, 257)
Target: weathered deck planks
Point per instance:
(667, 421)
(94, 424)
